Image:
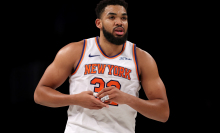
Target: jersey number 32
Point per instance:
(102, 85)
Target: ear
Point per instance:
(98, 23)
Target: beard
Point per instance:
(115, 40)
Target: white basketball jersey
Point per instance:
(96, 71)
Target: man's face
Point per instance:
(115, 24)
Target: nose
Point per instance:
(118, 22)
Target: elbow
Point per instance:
(36, 98)
(165, 119)
(166, 116)
(166, 113)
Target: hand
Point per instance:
(87, 100)
(115, 95)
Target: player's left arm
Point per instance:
(156, 107)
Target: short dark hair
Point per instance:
(104, 3)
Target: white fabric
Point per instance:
(116, 118)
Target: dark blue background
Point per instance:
(168, 31)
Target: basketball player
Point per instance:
(105, 73)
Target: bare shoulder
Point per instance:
(145, 60)
(70, 53)
(72, 48)
(141, 52)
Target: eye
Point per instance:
(124, 18)
(111, 17)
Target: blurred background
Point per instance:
(168, 31)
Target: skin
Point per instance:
(156, 107)
(110, 22)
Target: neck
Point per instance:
(108, 48)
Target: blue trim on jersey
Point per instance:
(136, 58)
(103, 51)
(81, 56)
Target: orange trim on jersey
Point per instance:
(112, 57)
(135, 60)
(82, 55)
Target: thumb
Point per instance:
(90, 92)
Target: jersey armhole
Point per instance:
(81, 58)
(135, 60)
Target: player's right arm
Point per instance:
(55, 75)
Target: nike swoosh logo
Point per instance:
(93, 55)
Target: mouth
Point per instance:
(119, 31)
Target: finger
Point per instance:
(100, 103)
(89, 92)
(106, 93)
(103, 94)
(95, 107)
(105, 90)
(111, 98)
(107, 102)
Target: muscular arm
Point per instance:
(156, 107)
(56, 73)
